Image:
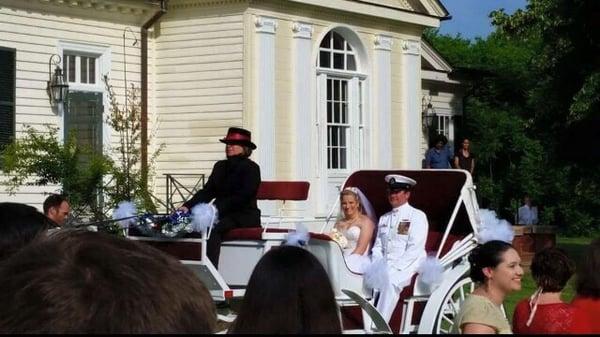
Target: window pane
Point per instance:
(84, 69)
(336, 90)
(344, 90)
(350, 63)
(324, 59)
(334, 136)
(336, 112)
(343, 136)
(338, 41)
(329, 158)
(329, 89)
(348, 47)
(326, 41)
(92, 70)
(343, 161)
(344, 113)
(329, 112)
(338, 61)
(71, 68)
(334, 158)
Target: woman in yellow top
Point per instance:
(496, 268)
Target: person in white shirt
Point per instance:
(401, 237)
(528, 214)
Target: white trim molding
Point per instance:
(302, 30)
(301, 104)
(382, 82)
(411, 47)
(265, 24)
(411, 103)
(383, 42)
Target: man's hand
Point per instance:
(184, 209)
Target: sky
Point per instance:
(470, 17)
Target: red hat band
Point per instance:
(237, 136)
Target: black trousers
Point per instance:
(213, 246)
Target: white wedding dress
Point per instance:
(355, 262)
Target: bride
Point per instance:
(354, 231)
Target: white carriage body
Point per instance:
(446, 196)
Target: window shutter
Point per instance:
(7, 96)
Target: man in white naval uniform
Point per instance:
(401, 237)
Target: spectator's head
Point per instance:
(588, 277)
(496, 264)
(465, 144)
(75, 281)
(439, 141)
(289, 292)
(57, 208)
(551, 268)
(19, 225)
(527, 200)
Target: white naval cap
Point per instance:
(399, 182)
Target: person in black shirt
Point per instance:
(233, 184)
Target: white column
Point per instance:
(382, 82)
(301, 100)
(265, 94)
(411, 100)
(302, 72)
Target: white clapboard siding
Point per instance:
(199, 94)
(36, 35)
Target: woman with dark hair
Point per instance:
(289, 292)
(233, 184)
(464, 159)
(440, 155)
(586, 304)
(496, 268)
(544, 311)
(19, 225)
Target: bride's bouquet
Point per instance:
(338, 237)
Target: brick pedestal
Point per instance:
(531, 239)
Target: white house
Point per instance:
(326, 87)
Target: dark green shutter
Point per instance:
(7, 95)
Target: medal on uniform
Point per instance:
(403, 227)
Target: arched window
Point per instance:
(336, 53)
(341, 91)
(342, 87)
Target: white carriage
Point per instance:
(446, 196)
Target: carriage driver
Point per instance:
(401, 237)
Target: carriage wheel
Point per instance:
(451, 305)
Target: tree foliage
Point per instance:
(533, 109)
(94, 182)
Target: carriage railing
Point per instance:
(177, 192)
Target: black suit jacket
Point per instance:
(234, 183)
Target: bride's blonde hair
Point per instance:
(351, 191)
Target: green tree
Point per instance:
(40, 159)
(532, 107)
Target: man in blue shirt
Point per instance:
(439, 156)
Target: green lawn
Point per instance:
(575, 247)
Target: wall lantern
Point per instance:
(428, 113)
(56, 87)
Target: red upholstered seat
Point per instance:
(256, 234)
(283, 190)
